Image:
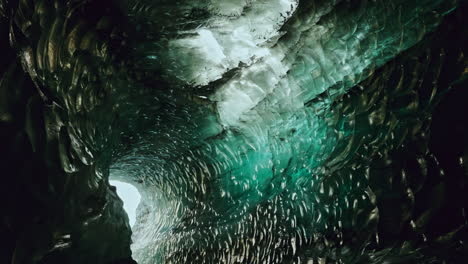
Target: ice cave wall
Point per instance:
(314, 143)
(58, 205)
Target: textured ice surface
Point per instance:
(277, 168)
(235, 32)
(256, 131)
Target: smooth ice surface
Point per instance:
(130, 197)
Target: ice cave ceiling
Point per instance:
(256, 131)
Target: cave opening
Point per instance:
(130, 196)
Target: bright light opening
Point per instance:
(130, 197)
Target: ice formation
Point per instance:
(256, 131)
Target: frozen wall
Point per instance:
(255, 131)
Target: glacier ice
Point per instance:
(256, 131)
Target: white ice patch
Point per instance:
(323, 51)
(314, 57)
(254, 84)
(210, 46)
(237, 32)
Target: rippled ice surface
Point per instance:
(288, 148)
(259, 131)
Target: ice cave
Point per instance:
(234, 131)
